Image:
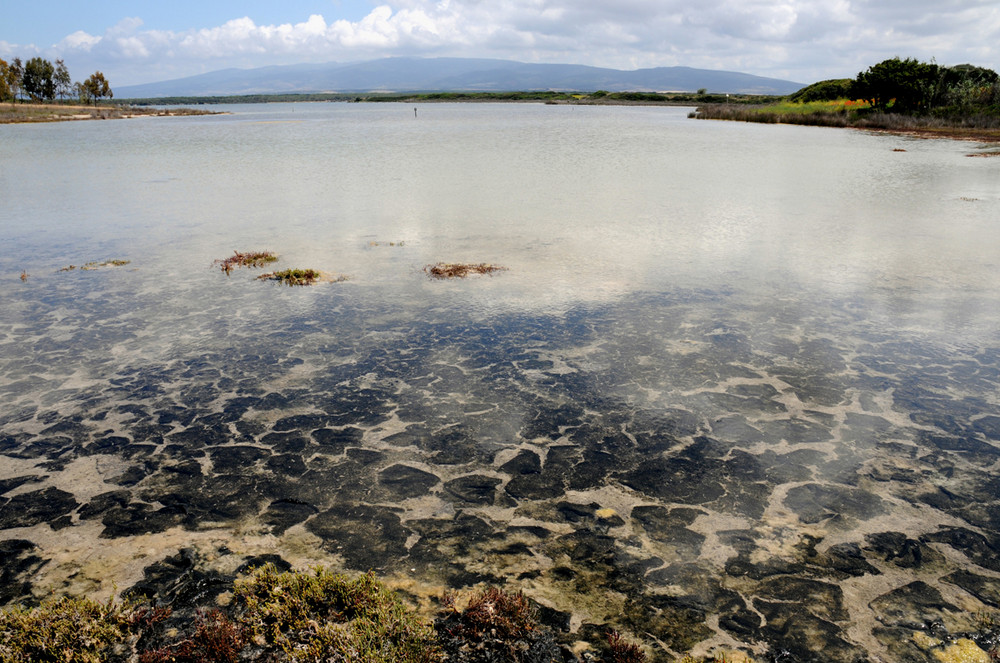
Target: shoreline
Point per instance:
(29, 113)
(900, 125)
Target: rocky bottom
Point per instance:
(700, 471)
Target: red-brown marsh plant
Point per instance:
(248, 259)
(448, 270)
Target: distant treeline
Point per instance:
(236, 99)
(598, 97)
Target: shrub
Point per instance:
(327, 616)
(71, 629)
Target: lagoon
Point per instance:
(738, 386)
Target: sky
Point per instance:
(139, 41)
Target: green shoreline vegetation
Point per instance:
(895, 95)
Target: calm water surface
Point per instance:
(738, 386)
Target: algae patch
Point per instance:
(448, 270)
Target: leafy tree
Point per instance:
(908, 85)
(64, 84)
(4, 85)
(968, 72)
(97, 86)
(81, 93)
(15, 71)
(37, 79)
(968, 89)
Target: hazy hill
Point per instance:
(454, 74)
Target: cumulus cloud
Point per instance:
(803, 40)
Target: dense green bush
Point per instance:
(829, 90)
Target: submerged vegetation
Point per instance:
(447, 270)
(94, 264)
(248, 259)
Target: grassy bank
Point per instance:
(855, 114)
(26, 112)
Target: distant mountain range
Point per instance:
(454, 75)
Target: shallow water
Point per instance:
(737, 388)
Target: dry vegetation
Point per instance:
(293, 618)
(447, 270)
(25, 112)
(248, 259)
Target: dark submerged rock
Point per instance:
(36, 507)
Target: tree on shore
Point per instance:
(4, 85)
(37, 79)
(912, 87)
(908, 85)
(81, 93)
(97, 86)
(64, 84)
(15, 71)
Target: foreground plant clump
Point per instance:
(295, 617)
(71, 629)
(292, 276)
(327, 616)
(447, 270)
(248, 259)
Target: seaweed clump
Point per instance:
(292, 276)
(72, 629)
(448, 270)
(248, 259)
(496, 625)
(324, 616)
(216, 639)
(95, 264)
(106, 263)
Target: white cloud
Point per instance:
(802, 40)
(80, 41)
